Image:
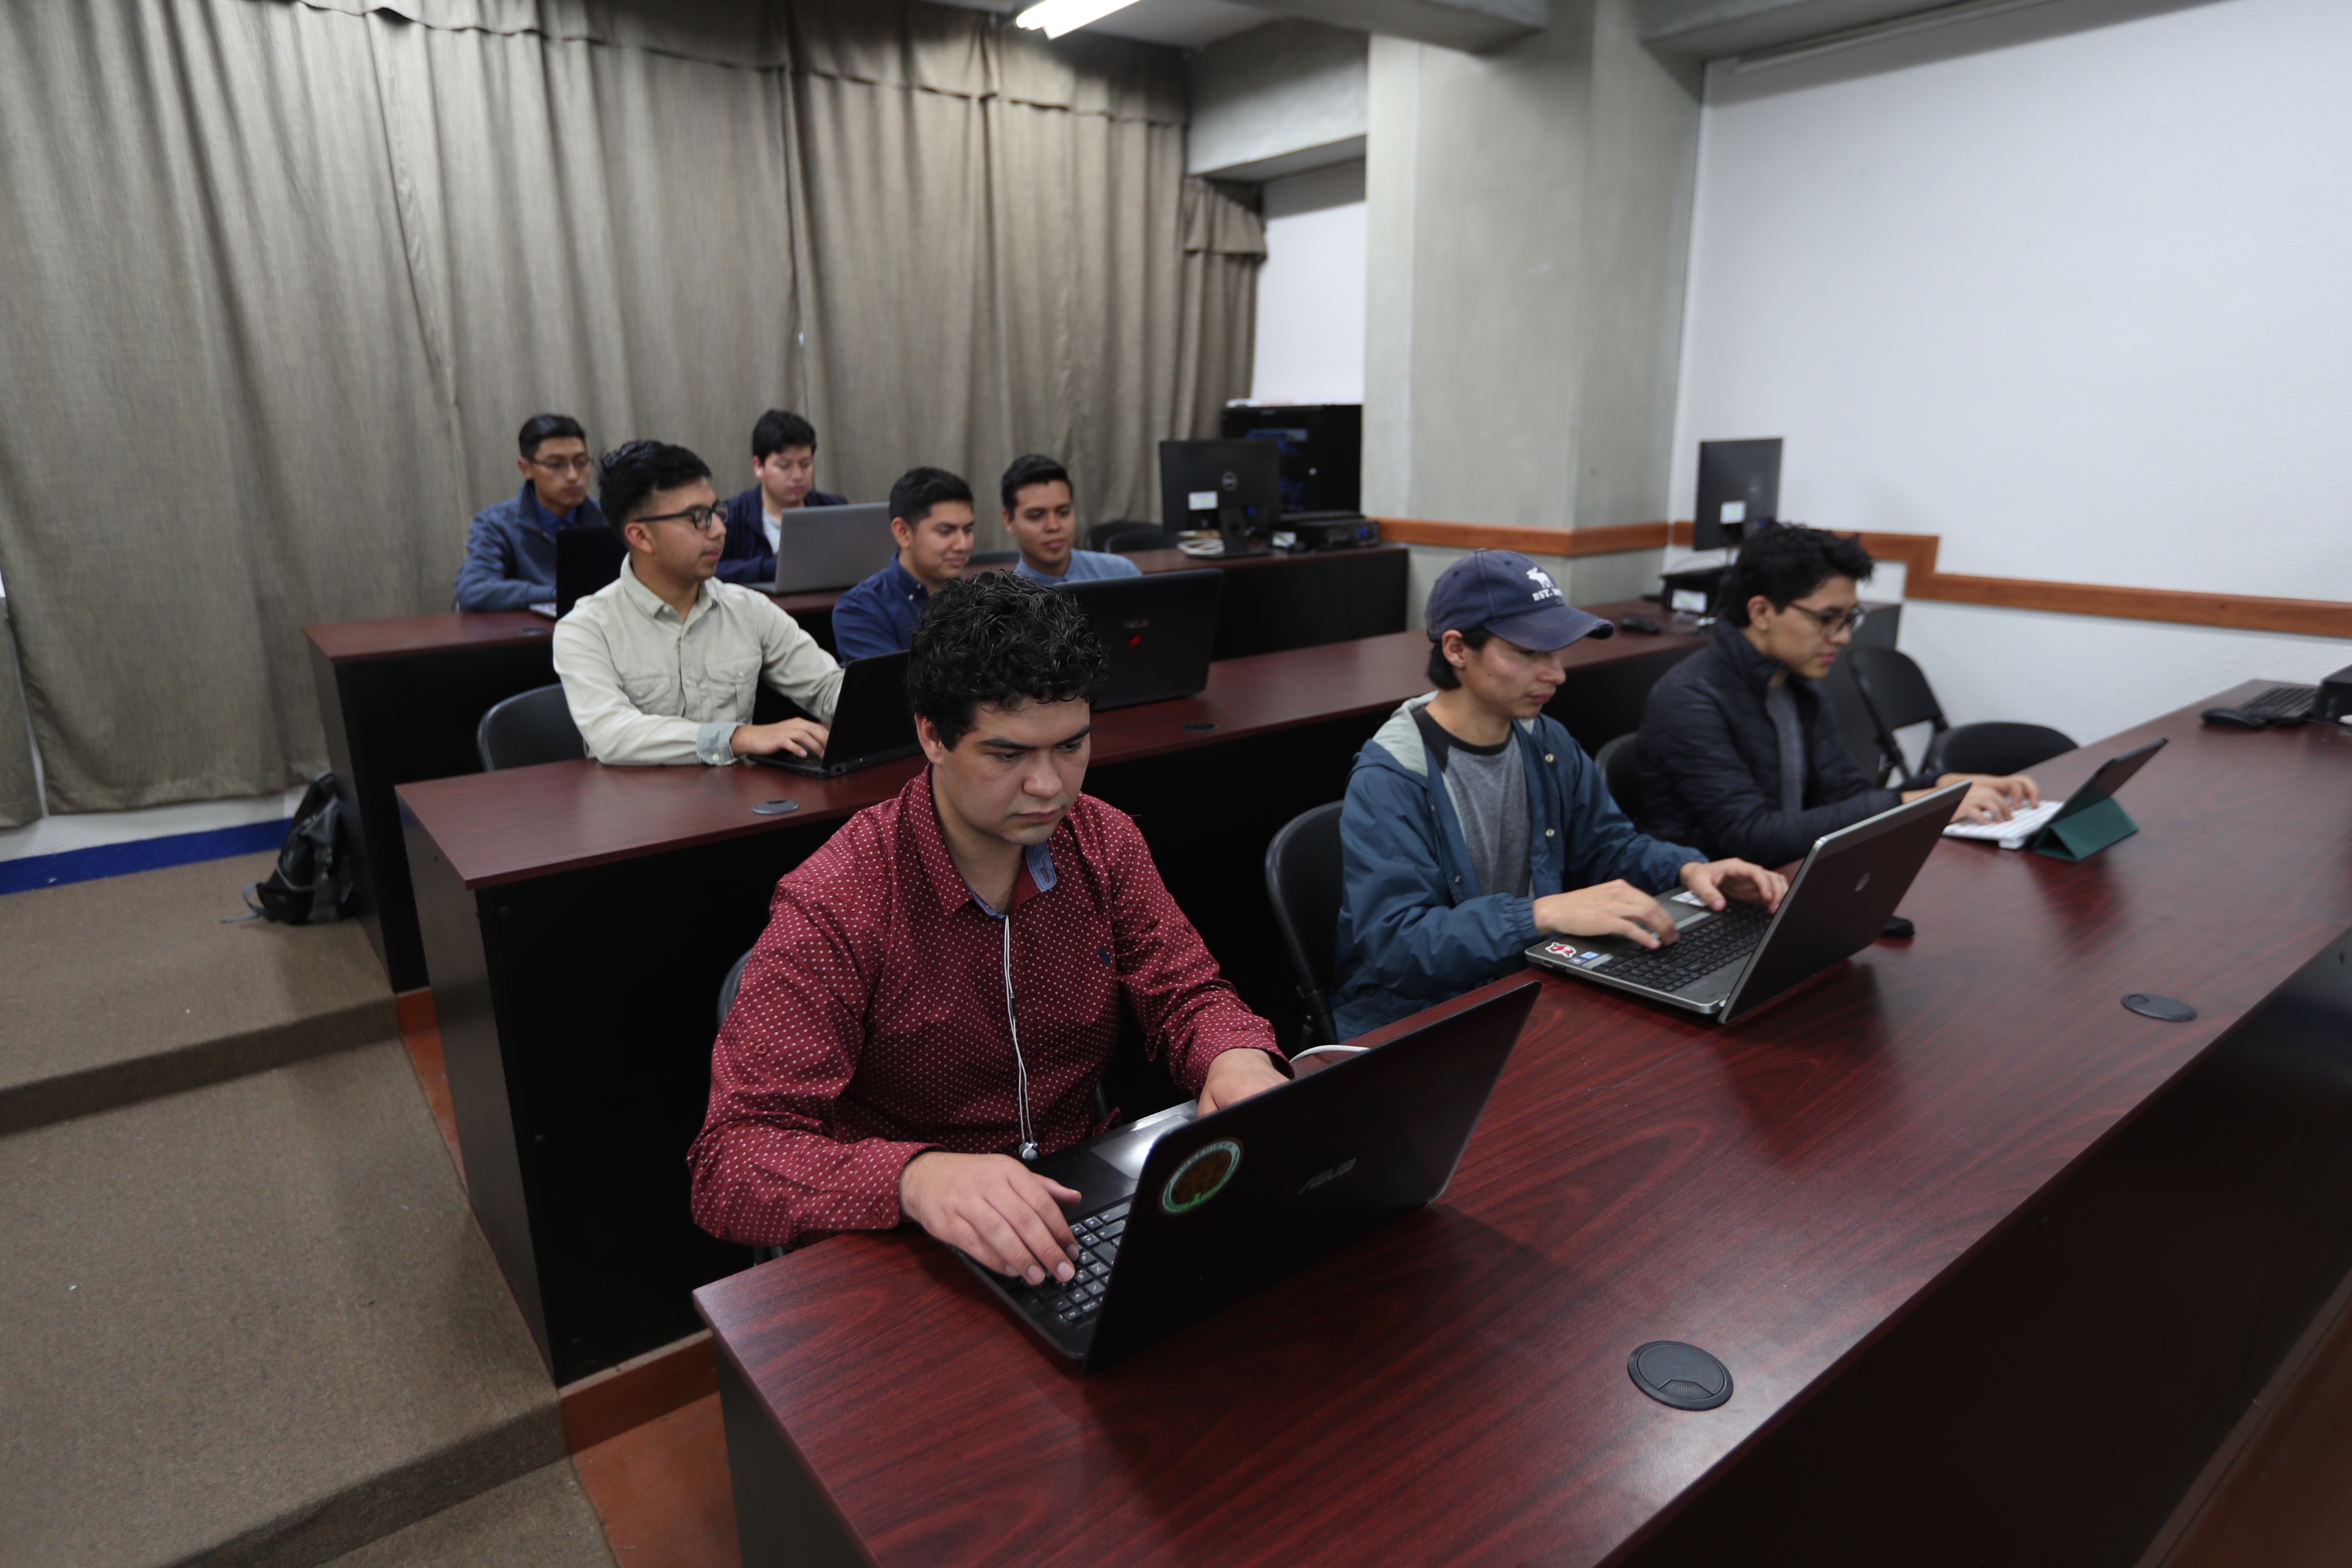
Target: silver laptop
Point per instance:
(1727, 966)
(833, 546)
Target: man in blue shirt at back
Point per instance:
(1474, 823)
(783, 475)
(932, 519)
(1041, 517)
(510, 548)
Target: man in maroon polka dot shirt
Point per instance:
(939, 987)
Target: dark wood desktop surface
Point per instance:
(561, 816)
(1987, 1291)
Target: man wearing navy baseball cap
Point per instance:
(1474, 824)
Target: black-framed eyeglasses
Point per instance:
(1832, 622)
(698, 518)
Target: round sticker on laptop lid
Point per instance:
(1202, 1176)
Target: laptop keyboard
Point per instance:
(1097, 1237)
(1703, 949)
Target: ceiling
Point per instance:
(1177, 24)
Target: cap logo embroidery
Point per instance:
(1545, 588)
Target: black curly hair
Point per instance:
(633, 471)
(1786, 562)
(992, 640)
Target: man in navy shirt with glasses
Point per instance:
(510, 550)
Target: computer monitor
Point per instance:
(586, 559)
(1738, 488)
(1322, 446)
(1233, 486)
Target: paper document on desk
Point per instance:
(2010, 835)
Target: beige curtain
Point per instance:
(19, 801)
(278, 280)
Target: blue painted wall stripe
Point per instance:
(139, 854)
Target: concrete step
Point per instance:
(253, 1323)
(129, 987)
(543, 1518)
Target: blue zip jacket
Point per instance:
(1414, 927)
(510, 555)
(746, 557)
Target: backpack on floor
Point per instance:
(313, 881)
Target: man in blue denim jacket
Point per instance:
(1474, 824)
(510, 548)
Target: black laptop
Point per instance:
(871, 721)
(1183, 1215)
(586, 560)
(1158, 629)
(1729, 965)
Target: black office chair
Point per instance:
(1123, 535)
(1616, 761)
(1994, 747)
(1898, 697)
(987, 560)
(727, 987)
(1302, 881)
(533, 727)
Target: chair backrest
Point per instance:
(1995, 747)
(1124, 534)
(1303, 882)
(727, 987)
(1616, 761)
(1898, 697)
(533, 727)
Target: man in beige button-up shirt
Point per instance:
(663, 665)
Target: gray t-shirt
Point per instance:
(1782, 704)
(1488, 786)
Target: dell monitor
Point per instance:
(1738, 489)
(1233, 486)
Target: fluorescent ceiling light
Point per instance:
(1059, 16)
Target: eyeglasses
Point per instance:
(1832, 622)
(698, 518)
(566, 465)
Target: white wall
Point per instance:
(1310, 291)
(2077, 297)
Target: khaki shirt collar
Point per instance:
(649, 603)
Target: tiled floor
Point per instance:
(663, 1493)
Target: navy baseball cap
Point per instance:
(1511, 597)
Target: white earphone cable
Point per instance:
(1020, 1067)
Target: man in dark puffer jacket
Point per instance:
(1738, 753)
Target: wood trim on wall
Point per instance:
(1921, 580)
(608, 1402)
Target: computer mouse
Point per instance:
(1639, 623)
(2232, 718)
(1900, 929)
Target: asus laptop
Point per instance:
(1158, 629)
(1727, 966)
(1183, 1215)
(871, 721)
(832, 546)
(586, 560)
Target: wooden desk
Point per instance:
(400, 698)
(1994, 1262)
(578, 921)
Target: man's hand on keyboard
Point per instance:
(1612, 909)
(1714, 880)
(1990, 798)
(992, 1207)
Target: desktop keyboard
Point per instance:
(1097, 1237)
(2282, 704)
(1704, 948)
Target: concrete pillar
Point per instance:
(1529, 215)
